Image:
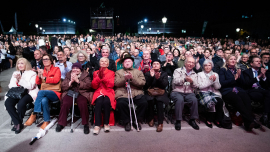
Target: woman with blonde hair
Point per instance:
(83, 59)
(231, 90)
(26, 78)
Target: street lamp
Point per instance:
(36, 25)
(40, 28)
(150, 30)
(164, 20)
(145, 20)
(44, 31)
(141, 28)
(238, 29)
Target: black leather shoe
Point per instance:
(59, 128)
(86, 129)
(14, 128)
(19, 128)
(135, 126)
(208, 125)
(249, 126)
(177, 125)
(193, 124)
(218, 124)
(128, 127)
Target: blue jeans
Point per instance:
(42, 102)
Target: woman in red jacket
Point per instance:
(103, 82)
(50, 75)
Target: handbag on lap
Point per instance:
(155, 92)
(17, 92)
(49, 86)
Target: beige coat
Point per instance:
(179, 84)
(204, 84)
(137, 83)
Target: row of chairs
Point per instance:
(168, 111)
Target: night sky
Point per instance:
(130, 12)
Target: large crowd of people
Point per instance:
(206, 73)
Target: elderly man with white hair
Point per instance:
(145, 64)
(105, 52)
(184, 84)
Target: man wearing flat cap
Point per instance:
(137, 81)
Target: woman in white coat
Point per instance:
(24, 77)
(208, 94)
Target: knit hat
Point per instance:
(78, 65)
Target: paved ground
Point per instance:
(148, 139)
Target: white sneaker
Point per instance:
(96, 130)
(107, 128)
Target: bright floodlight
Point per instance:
(40, 28)
(150, 28)
(68, 20)
(36, 25)
(238, 29)
(157, 30)
(64, 20)
(43, 30)
(164, 20)
(145, 20)
(142, 26)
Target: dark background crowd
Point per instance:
(174, 64)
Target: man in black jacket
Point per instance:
(257, 88)
(43, 50)
(37, 62)
(218, 56)
(154, 52)
(105, 53)
(54, 41)
(220, 63)
(169, 66)
(156, 78)
(27, 53)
